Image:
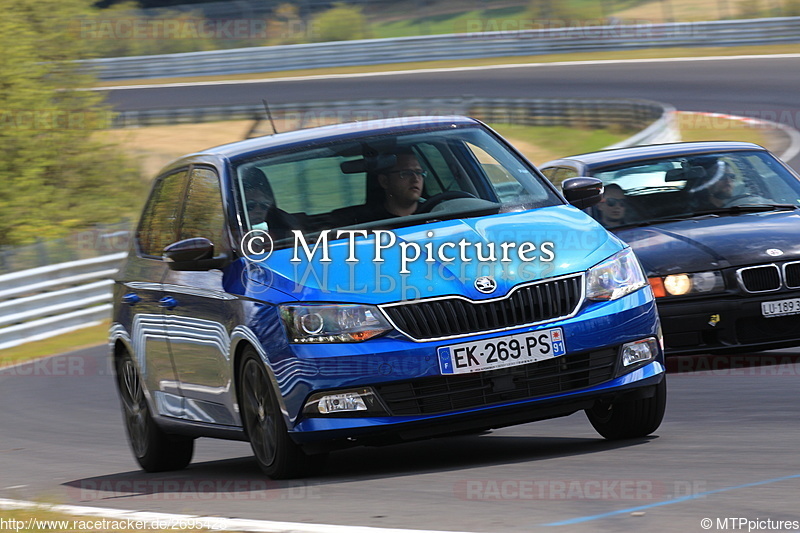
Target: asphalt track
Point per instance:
(766, 87)
(727, 448)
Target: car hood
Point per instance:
(715, 242)
(578, 242)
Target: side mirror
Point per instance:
(582, 192)
(193, 255)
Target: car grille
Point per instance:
(791, 274)
(760, 278)
(441, 318)
(442, 394)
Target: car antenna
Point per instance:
(269, 115)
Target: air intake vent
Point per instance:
(791, 273)
(760, 278)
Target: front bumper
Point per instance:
(726, 324)
(319, 434)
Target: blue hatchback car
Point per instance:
(372, 283)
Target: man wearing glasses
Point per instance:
(402, 185)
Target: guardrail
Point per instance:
(477, 44)
(43, 302)
(47, 301)
(655, 120)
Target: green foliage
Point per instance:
(123, 30)
(340, 23)
(56, 177)
(285, 26)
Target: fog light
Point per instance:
(360, 401)
(639, 351)
(337, 403)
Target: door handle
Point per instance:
(168, 301)
(131, 298)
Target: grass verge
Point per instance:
(74, 340)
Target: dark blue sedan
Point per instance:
(717, 227)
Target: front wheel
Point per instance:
(630, 419)
(276, 453)
(155, 451)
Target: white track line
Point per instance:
(443, 69)
(174, 521)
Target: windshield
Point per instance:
(388, 180)
(680, 187)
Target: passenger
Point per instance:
(612, 208)
(262, 213)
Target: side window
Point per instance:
(493, 168)
(563, 173)
(158, 227)
(203, 215)
(549, 173)
(315, 185)
(440, 176)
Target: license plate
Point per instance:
(781, 307)
(501, 352)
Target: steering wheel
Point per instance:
(437, 199)
(736, 200)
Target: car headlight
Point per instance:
(332, 323)
(615, 277)
(681, 284)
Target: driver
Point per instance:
(402, 186)
(716, 189)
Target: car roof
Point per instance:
(637, 153)
(336, 131)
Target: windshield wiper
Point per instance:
(712, 213)
(743, 208)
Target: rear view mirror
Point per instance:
(582, 192)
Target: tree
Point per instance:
(57, 178)
(340, 23)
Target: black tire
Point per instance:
(155, 451)
(631, 419)
(275, 451)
